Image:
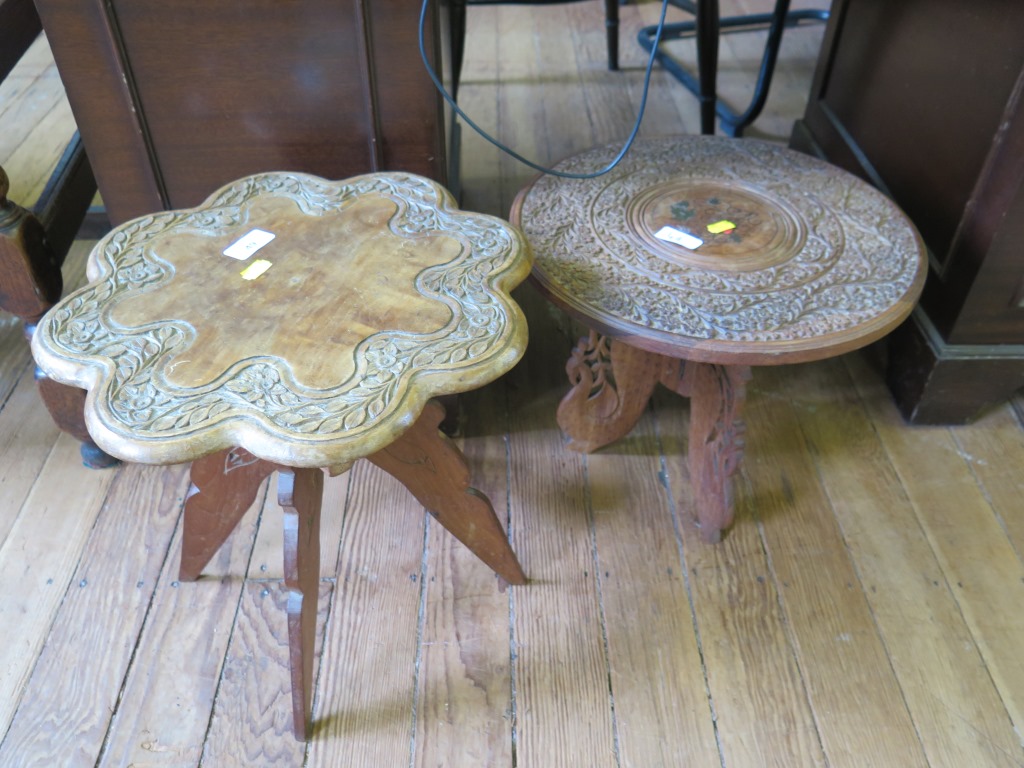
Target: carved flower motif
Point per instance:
(385, 360)
(858, 258)
(140, 399)
(82, 331)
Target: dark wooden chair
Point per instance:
(35, 239)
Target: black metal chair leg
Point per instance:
(707, 24)
(704, 86)
(611, 24)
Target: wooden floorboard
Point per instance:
(165, 709)
(563, 713)
(754, 683)
(38, 559)
(92, 640)
(646, 612)
(858, 707)
(977, 560)
(464, 693)
(364, 705)
(956, 709)
(989, 445)
(864, 610)
(27, 436)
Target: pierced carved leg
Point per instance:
(300, 494)
(434, 470)
(224, 486)
(717, 393)
(612, 382)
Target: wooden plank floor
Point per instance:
(865, 610)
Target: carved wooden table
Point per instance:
(698, 257)
(291, 324)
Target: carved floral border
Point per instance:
(142, 402)
(860, 258)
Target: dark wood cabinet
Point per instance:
(925, 98)
(173, 100)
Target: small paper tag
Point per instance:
(677, 236)
(721, 226)
(255, 269)
(248, 244)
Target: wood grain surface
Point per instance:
(326, 358)
(860, 612)
(788, 259)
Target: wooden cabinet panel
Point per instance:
(924, 99)
(176, 99)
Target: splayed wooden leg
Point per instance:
(300, 494)
(224, 486)
(717, 393)
(434, 470)
(612, 382)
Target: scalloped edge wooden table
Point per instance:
(698, 257)
(290, 324)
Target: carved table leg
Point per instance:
(434, 470)
(224, 486)
(612, 382)
(300, 493)
(717, 393)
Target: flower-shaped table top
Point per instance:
(305, 320)
(719, 250)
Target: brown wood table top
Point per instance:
(377, 294)
(802, 260)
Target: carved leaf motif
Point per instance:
(145, 403)
(858, 258)
(376, 407)
(354, 419)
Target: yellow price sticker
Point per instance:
(720, 226)
(255, 269)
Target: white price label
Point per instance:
(248, 244)
(677, 236)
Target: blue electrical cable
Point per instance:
(551, 171)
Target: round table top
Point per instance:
(720, 250)
(305, 320)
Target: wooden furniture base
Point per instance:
(430, 465)
(612, 384)
(292, 324)
(935, 382)
(696, 258)
(958, 173)
(31, 282)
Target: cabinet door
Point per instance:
(174, 100)
(924, 98)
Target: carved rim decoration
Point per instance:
(135, 413)
(819, 262)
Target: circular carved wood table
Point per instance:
(291, 324)
(698, 257)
